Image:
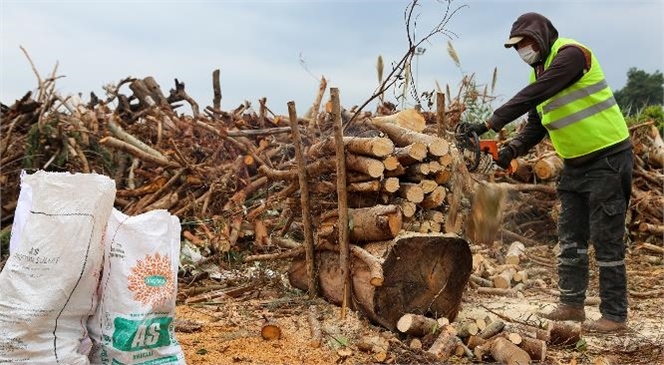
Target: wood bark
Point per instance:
(376, 223)
(505, 352)
(411, 285)
(563, 334)
(365, 165)
(444, 345)
(342, 199)
(403, 137)
(314, 328)
(365, 146)
(304, 201)
(492, 329)
(534, 347)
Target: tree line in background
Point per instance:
(642, 97)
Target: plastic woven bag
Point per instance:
(48, 283)
(134, 320)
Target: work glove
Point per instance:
(505, 156)
(478, 128)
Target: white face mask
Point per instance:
(528, 55)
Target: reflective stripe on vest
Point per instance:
(584, 117)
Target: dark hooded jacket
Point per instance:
(567, 68)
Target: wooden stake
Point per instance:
(313, 115)
(440, 113)
(216, 87)
(304, 199)
(342, 196)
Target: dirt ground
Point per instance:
(227, 331)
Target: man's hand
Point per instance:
(505, 156)
(478, 128)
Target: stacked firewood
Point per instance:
(486, 339)
(396, 181)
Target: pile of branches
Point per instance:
(211, 168)
(204, 167)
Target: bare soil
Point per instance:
(230, 328)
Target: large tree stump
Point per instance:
(423, 274)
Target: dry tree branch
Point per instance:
(399, 68)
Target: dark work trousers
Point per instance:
(594, 200)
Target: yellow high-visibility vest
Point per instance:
(584, 117)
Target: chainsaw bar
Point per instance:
(468, 144)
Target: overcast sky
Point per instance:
(280, 49)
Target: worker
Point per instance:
(569, 100)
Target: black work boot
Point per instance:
(603, 325)
(564, 312)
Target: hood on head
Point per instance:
(535, 26)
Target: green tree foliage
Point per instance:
(642, 89)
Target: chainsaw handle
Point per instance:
(489, 146)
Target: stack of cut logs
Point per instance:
(396, 181)
(483, 339)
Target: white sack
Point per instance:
(134, 320)
(48, 283)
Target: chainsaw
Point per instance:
(479, 154)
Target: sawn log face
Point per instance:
(423, 274)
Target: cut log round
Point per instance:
(514, 253)
(474, 341)
(411, 192)
(444, 345)
(374, 147)
(365, 165)
(435, 198)
(548, 168)
(411, 153)
(534, 347)
(270, 331)
(408, 118)
(391, 163)
(403, 137)
(508, 353)
(416, 324)
(423, 273)
(377, 147)
(408, 208)
(492, 329)
(428, 186)
(390, 184)
(563, 334)
(377, 223)
(504, 279)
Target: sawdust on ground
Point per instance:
(230, 332)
